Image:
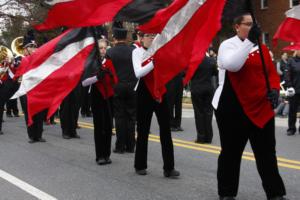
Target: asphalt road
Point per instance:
(66, 169)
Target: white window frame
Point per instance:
(262, 6)
(291, 4)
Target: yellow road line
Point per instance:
(282, 162)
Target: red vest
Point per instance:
(105, 86)
(250, 87)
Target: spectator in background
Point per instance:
(202, 91)
(292, 79)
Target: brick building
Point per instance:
(270, 14)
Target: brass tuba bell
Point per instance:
(17, 46)
(5, 53)
(6, 57)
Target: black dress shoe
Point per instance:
(31, 141)
(104, 161)
(278, 198)
(41, 140)
(66, 136)
(290, 132)
(179, 129)
(203, 141)
(199, 141)
(119, 151)
(171, 173)
(129, 150)
(227, 198)
(174, 129)
(17, 115)
(141, 172)
(9, 115)
(1, 133)
(75, 136)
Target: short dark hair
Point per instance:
(240, 18)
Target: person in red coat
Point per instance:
(244, 111)
(101, 94)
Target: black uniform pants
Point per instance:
(235, 130)
(294, 104)
(85, 101)
(36, 129)
(1, 116)
(101, 110)
(125, 116)
(174, 95)
(7, 89)
(68, 114)
(146, 105)
(203, 111)
(2, 100)
(12, 107)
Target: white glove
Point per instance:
(290, 92)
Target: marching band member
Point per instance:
(244, 111)
(146, 105)
(36, 129)
(7, 84)
(102, 93)
(125, 97)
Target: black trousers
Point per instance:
(203, 111)
(1, 116)
(146, 105)
(12, 107)
(294, 104)
(101, 110)
(125, 116)
(34, 131)
(2, 101)
(68, 113)
(85, 101)
(174, 95)
(235, 130)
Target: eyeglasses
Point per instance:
(150, 35)
(247, 23)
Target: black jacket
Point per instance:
(121, 56)
(202, 78)
(292, 76)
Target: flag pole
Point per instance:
(251, 10)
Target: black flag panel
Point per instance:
(140, 11)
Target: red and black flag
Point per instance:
(54, 70)
(140, 11)
(82, 13)
(185, 30)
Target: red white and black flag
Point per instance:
(185, 30)
(82, 13)
(55, 69)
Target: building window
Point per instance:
(266, 39)
(264, 4)
(294, 3)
